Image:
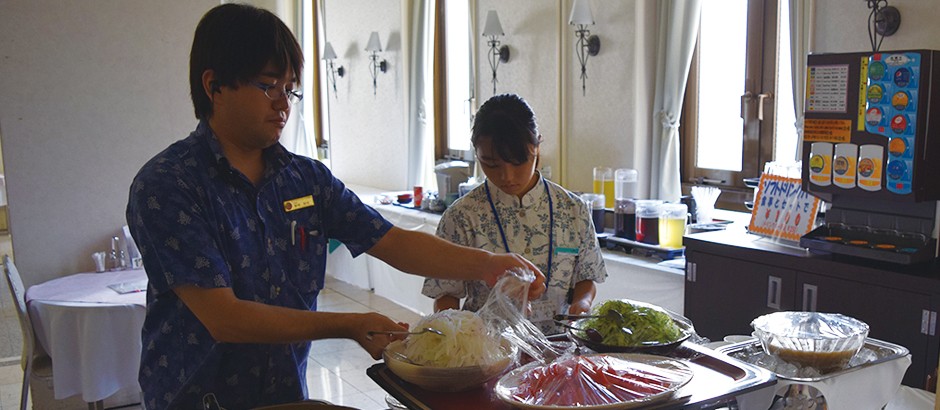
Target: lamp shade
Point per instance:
(581, 13)
(492, 26)
(328, 53)
(374, 44)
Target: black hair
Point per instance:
(510, 123)
(236, 42)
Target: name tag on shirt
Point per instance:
(542, 310)
(299, 203)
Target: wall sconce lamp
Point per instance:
(884, 20)
(497, 54)
(587, 45)
(375, 47)
(329, 55)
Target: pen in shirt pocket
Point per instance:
(569, 297)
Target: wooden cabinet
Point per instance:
(733, 278)
(892, 315)
(727, 294)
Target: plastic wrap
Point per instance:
(595, 380)
(476, 346)
(824, 341)
(505, 313)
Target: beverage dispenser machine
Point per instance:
(871, 148)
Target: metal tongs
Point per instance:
(610, 314)
(592, 333)
(392, 332)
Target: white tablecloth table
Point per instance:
(91, 332)
(629, 276)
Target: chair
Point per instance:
(35, 364)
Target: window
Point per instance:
(315, 105)
(738, 111)
(453, 71)
(457, 24)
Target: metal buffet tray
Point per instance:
(882, 352)
(627, 246)
(717, 382)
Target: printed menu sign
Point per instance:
(827, 88)
(782, 209)
(827, 130)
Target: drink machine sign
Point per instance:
(782, 209)
(870, 125)
(871, 150)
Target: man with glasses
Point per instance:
(233, 231)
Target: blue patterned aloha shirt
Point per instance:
(469, 221)
(198, 221)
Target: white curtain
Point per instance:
(678, 29)
(801, 44)
(294, 136)
(417, 25)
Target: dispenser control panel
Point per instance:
(867, 125)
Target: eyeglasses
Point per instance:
(275, 92)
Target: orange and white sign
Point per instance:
(782, 209)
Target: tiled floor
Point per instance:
(336, 371)
(11, 343)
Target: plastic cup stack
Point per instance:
(705, 198)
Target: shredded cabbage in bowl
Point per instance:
(645, 325)
(466, 341)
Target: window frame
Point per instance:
(442, 151)
(759, 135)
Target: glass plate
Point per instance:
(511, 380)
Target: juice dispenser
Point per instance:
(871, 148)
(604, 184)
(625, 184)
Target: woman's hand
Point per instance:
(581, 307)
(584, 292)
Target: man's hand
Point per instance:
(363, 323)
(423, 254)
(500, 264)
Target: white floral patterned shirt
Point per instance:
(576, 254)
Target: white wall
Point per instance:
(532, 35)
(368, 145)
(598, 127)
(609, 125)
(368, 133)
(841, 26)
(89, 90)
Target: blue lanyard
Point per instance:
(551, 225)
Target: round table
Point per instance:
(91, 332)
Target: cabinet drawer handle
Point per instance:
(773, 292)
(928, 322)
(809, 297)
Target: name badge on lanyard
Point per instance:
(543, 309)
